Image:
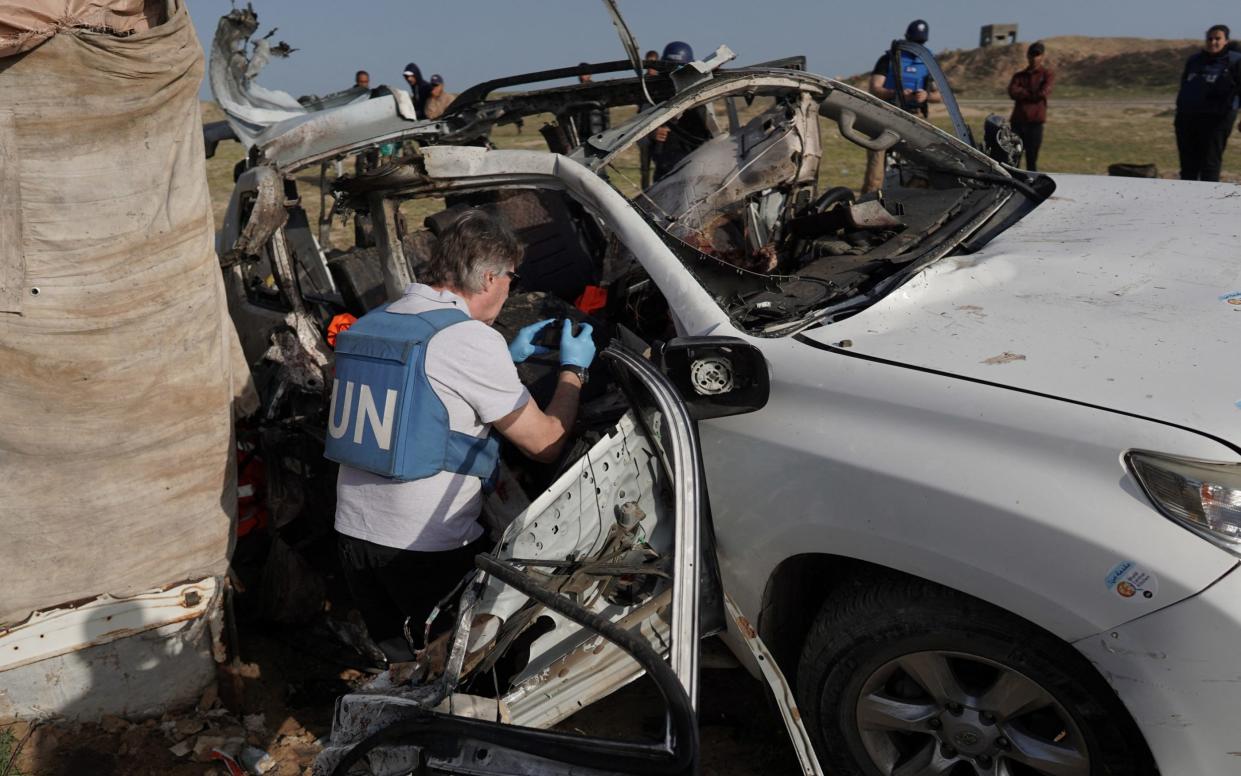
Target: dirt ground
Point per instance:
(280, 703)
(277, 693)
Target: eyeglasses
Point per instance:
(513, 278)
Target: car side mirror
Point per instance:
(717, 376)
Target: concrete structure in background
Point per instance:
(997, 35)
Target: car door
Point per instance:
(959, 127)
(596, 581)
(607, 575)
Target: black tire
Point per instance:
(860, 632)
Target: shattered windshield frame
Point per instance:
(775, 252)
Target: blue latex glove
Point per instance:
(523, 347)
(579, 350)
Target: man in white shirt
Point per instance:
(404, 545)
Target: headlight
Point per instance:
(1204, 496)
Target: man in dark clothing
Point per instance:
(914, 85)
(678, 138)
(915, 82)
(1030, 89)
(419, 89)
(591, 118)
(644, 145)
(1206, 106)
(362, 80)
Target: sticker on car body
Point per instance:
(1129, 580)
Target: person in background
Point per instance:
(362, 80)
(1206, 106)
(1030, 89)
(405, 544)
(914, 85)
(439, 100)
(419, 89)
(678, 138)
(591, 118)
(644, 145)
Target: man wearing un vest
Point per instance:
(915, 85)
(419, 385)
(1206, 106)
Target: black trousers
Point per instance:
(1032, 140)
(1200, 142)
(388, 585)
(644, 161)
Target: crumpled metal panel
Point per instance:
(472, 161)
(266, 216)
(250, 108)
(305, 140)
(53, 632)
(63, 662)
(704, 200)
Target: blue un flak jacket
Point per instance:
(385, 417)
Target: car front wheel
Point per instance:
(901, 677)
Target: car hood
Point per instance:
(1115, 292)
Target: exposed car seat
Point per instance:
(556, 261)
(359, 277)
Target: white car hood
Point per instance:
(1116, 292)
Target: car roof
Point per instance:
(340, 131)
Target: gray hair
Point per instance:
(474, 244)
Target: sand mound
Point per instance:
(1126, 66)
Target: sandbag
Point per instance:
(118, 366)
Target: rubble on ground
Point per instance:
(262, 734)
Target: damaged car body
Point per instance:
(609, 553)
(881, 430)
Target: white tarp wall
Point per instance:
(117, 357)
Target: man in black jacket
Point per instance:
(419, 89)
(677, 139)
(1206, 106)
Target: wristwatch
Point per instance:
(580, 371)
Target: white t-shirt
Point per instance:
(470, 369)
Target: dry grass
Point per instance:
(1096, 68)
(1085, 136)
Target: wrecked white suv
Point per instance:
(967, 448)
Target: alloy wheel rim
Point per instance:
(943, 713)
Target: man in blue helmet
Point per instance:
(1206, 106)
(678, 138)
(911, 79)
(407, 504)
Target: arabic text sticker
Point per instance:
(1129, 580)
(1233, 297)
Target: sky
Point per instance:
(468, 41)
